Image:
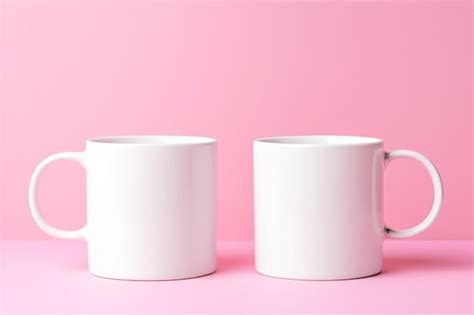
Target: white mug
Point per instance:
(318, 206)
(150, 206)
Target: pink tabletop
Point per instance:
(418, 276)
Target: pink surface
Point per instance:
(236, 71)
(418, 276)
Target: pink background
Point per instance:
(236, 71)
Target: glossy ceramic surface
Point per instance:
(319, 207)
(150, 206)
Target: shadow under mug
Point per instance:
(150, 206)
(318, 206)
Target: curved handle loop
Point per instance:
(32, 196)
(437, 187)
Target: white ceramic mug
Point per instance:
(150, 206)
(318, 206)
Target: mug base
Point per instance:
(319, 278)
(141, 278)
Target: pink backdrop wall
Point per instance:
(236, 71)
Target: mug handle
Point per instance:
(437, 188)
(32, 196)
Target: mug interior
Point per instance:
(154, 140)
(322, 140)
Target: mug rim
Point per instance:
(152, 140)
(320, 141)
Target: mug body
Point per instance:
(150, 207)
(318, 207)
